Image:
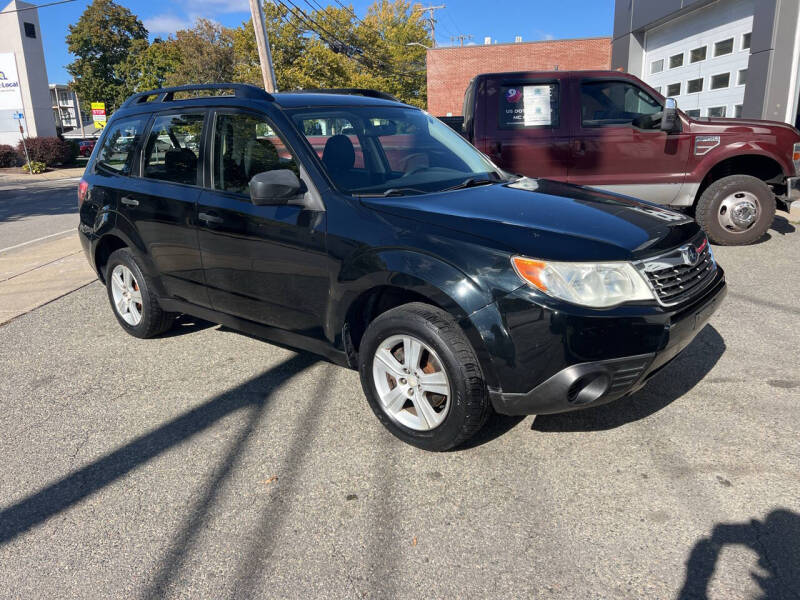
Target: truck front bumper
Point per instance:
(792, 192)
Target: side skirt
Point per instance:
(280, 337)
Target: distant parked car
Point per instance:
(85, 147)
(610, 130)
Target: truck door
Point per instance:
(616, 146)
(520, 126)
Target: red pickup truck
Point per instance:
(610, 130)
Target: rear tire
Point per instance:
(736, 210)
(132, 299)
(440, 375)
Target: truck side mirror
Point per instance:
(280, 186)
(669, 115)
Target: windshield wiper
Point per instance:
(472, 182)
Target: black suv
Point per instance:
(371, 233)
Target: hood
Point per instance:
(740, 126)
(549, 220)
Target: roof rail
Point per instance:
(240, 90)
(352, 91)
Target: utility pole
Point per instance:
(460, 39)
(264, 55)
(431, 19)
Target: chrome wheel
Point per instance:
(127, 295)
(411, 382)
(739, 211)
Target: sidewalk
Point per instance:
(16, 175)
(38, 274)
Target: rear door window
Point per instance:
(119, 145)
(529, 104)
(609, 103)
(172, 152)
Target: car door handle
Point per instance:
(129, 201)
(209, 218)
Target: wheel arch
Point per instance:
(760, 166)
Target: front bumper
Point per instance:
(583, 383)
(792, 192)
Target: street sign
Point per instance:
(99, 114)
(19, 116)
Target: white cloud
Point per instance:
(161, 24)
(211, 7)
(548, 36)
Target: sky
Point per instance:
(531, 19)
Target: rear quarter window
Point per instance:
(119, 145)
(528, 104)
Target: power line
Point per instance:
(16, 10)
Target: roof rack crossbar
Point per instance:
(354, 91)
(240, 90)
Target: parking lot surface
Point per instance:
(208, 464)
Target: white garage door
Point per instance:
(701, 58)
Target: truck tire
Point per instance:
(421, 377)
(132, 299)
(736, 210)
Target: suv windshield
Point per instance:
(383, 151)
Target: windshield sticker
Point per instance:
(527, 105)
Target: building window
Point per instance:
(674, 89)
(676, 60)
(694, 113)
(742, 80)
(657, 66)
(737, 111)
(724, 47)
(30, 30)
(698, 54)
(716, 111)
(746, 41)
(694, 86)
(720, 81)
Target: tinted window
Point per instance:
(614, 103)
(716, 111)
(742, 77)
(676, 61)
(694, 113)
(674, 89)
(528, 105)
(722, 80)
(173, 148)
(698, 54)
(723, 47)
(244, 146)
(657, 66)
(745, 41)
(320, 129)
(694, 85)
(119, 143)
(30, 30)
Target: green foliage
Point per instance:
(329, 47)
(8, 156)
(48, 150)
(36, 167)
(101, 41)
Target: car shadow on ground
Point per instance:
(774, 540)
(780, 226)
(186, 324)
(675, 380)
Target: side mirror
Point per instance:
(280, 186)
(669, 115)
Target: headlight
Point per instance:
(796, 158)
(598, 285)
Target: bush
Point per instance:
(36, 167)
(49, 150)
(8, 156)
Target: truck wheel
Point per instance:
(132, 299)
(422, 378)
(736, 210)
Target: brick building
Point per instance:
(450, 69)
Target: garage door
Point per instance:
(701, 58)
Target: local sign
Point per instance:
(99, 114)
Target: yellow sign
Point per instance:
(99, 114)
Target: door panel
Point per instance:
(263, 263)
(608, 150)
(531, 137)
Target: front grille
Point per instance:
(675, 277)
(627, 374)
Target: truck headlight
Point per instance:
(597, 285)
(796, 158)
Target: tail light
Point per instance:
(83, 190)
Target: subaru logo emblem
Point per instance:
(690, 255)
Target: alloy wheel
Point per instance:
(127, 295)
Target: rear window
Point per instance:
(121, 139)
(527, 105)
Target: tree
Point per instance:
(148, 66)
(101, 41)
(204, 54)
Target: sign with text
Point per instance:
(529, 105)
(10, 95)
(99, 114)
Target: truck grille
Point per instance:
(681, 274)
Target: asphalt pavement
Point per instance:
(209, 464)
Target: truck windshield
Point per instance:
(392, 151)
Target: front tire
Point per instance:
(421, 377)
(736, 210)
(132, 298)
